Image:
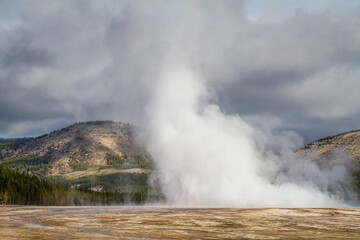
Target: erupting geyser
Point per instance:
(207, 158)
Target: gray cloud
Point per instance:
(62, 62)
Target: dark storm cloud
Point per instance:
(62, 62)
(20, 53)
(303, 70)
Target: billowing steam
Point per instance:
(207, 158)
(297, 62)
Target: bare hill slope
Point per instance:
(348, 142)
(88, 148)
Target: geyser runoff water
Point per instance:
(207, 158)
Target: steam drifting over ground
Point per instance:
(225, 85)
(208, 158)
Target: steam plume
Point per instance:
(207, 158)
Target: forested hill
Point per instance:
(82, 146)
(81, 149)
(15, 140)
(101, 156)
(9, 145)
(23, 189)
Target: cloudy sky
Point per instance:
(290, 65)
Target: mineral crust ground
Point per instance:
(32, 222)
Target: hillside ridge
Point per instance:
(346, 141)
(84, 146)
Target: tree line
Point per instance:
(25, 189)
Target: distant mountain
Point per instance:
(98, 155)
(105, 156)
(328, 148)
(348, 142)
(15, 140)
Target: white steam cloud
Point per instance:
(207, 158)
(67, 61)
